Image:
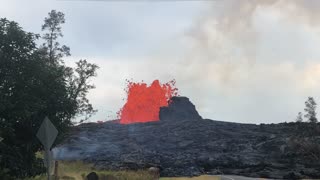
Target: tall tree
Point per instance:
(52, 27)
(310, 109)
(34, 83)
(76, 79)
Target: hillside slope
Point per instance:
(184, 144)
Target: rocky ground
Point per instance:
(184, 144)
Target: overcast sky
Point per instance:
(247, 61)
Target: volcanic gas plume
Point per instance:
(144, 102)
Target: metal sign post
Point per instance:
(47, 133)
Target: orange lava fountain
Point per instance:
(144, 102)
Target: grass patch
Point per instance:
(77, 170)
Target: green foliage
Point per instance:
(4, 174)
(20, 66)
(34, 83)
(78, 87)
(52, 27)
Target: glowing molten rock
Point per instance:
(144, 102)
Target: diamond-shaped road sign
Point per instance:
(47, 133)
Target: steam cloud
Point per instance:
(252, 50)
(226, 39)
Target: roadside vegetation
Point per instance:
(35, 83)
(77, 170)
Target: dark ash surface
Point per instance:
(184, 144)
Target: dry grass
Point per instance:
(77, 170)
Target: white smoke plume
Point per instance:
(223, 45)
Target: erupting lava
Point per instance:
(144, 102)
